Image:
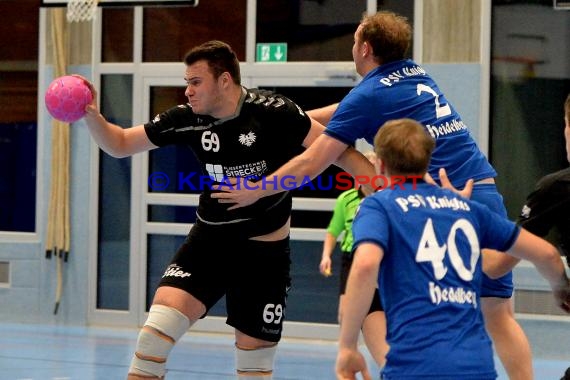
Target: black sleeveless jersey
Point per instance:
(548, 206)
(266, 131)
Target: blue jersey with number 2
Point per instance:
(403, 89)
(430, 279)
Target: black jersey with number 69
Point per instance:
(266, 131)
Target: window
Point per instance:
(18, 119)
(529, 83)
(114, 202)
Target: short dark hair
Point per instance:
(404, 146)
(389, 34)
(220, 57)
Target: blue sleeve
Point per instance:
(497, 232)
(353, 120)
(371, 224)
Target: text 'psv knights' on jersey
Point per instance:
(403, 89)
(430, 278)
(266, 131)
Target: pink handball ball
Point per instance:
(66, 98)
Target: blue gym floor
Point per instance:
(41, 352)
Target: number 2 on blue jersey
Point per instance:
(440, 111)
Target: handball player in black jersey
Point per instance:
(244, 253)
(548, 206)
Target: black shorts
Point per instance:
(253, 275)
(345, 264)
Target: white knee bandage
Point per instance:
(255, 364)
(164, 326)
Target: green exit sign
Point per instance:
(271, 52)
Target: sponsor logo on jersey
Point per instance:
(221, 173)
(251, 169)
(216, 172)
(174, 270)
(525, 213)
(248, 139)
(446, 129)
(270, 331)
(456, 295)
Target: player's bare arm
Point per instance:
(325, 266)
(114, 140)
(496, 264)
(323, 115)
(313, 161)
(547, 261)
(316, 130)
(356, 164)
(359, 291)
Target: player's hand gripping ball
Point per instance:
(66, 98)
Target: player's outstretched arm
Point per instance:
(323, 115)
(360, 289)
(360, 168)
(113, 139)
(547, 260)
(314, 160)
(496, 264)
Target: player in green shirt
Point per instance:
(374, 326)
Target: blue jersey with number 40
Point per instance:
(403, 89)
(430, 278)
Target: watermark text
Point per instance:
(160, 181)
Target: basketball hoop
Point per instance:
(81, 10)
